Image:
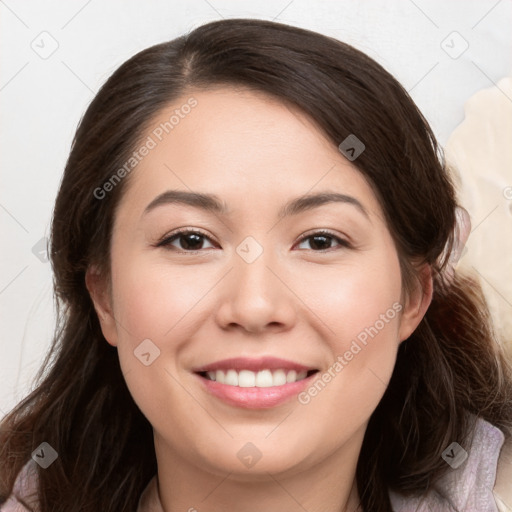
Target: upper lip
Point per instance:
(253, 364)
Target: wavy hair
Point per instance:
(452, 365)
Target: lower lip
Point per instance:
(255, 398)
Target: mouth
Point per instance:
(266, 378)
(254, 383)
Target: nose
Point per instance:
(256, 297)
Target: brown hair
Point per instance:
(450, 366)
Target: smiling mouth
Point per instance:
(261, 379)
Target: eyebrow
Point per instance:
(211, 202)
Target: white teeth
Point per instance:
(291, 376)
(264, 379)
(246, 379)
(231, 378)
(279, 377)
(261, 379)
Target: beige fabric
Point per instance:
(480, 154)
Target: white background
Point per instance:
(42, 100)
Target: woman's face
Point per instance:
(300, 332)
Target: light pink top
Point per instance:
(468, 488)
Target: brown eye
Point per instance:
(322, 240)
(187, 241)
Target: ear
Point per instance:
(99, 291)
(417, 302)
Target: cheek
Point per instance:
(163, 304)
(360, 313)
(358, 300)
(155, 308)
(155, 300)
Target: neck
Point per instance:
(328, 485)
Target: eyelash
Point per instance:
(167, 240)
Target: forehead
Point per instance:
(240, 144)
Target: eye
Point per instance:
(193, 240)
(188, 240)
(321, 240)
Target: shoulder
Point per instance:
(23, 497)
(480, 477)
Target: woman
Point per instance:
(253, 246)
